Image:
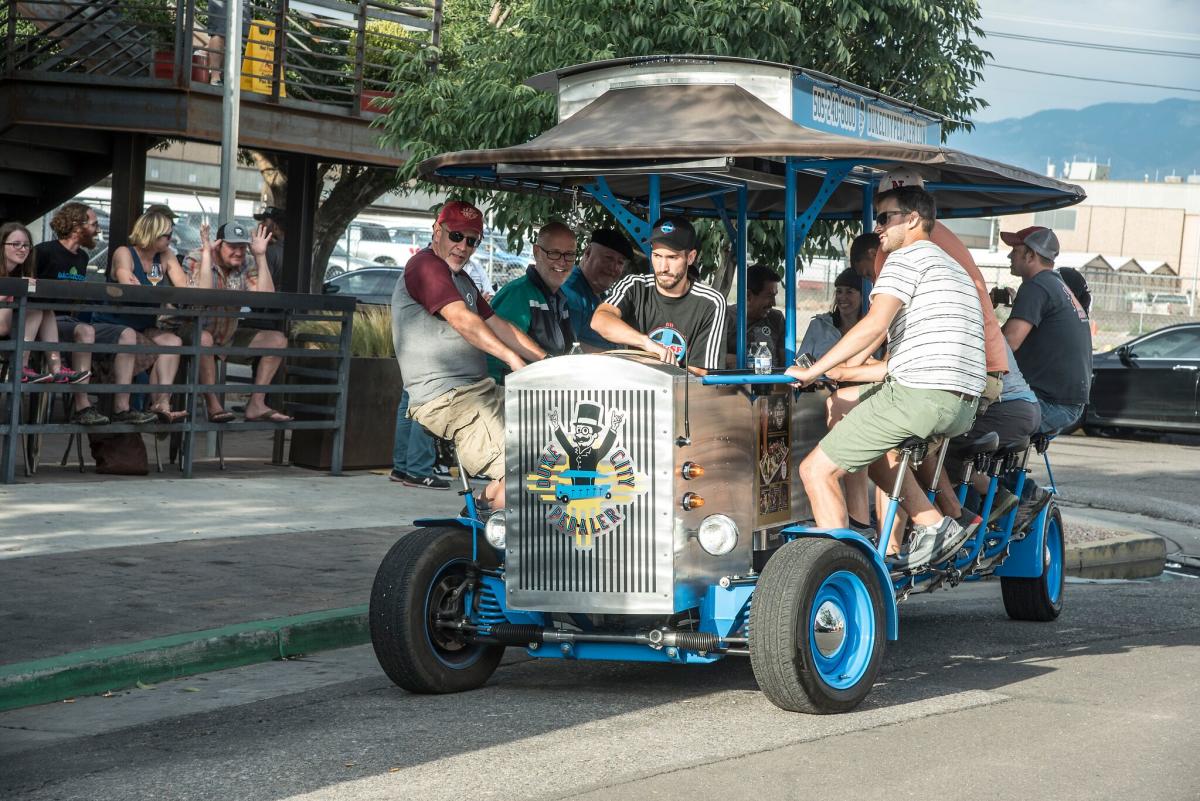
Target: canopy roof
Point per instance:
(695, 136)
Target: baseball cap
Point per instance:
(1041, 241)
(613, 239)
(270, 213)
(460, 216)
(675, 233)
(901, 176)
(232, 233)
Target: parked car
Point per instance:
(374, 242)
(371, 285)
(1151, 382)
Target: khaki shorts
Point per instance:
(889, 413)
(473, 417)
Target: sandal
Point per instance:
(270, 416)
(167, 415)
(222, 416)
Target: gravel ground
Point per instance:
(1077, 533)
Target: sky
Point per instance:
(1160, 25)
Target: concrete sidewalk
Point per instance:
(114, 582)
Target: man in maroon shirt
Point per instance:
(443, 330)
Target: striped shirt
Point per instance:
(693, 326)
(936, 339)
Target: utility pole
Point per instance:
(230, 107)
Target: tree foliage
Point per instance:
(914, 50)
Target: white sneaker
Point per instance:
(932, 544)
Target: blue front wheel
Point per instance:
(817, 629)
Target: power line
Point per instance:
(1146, 51)
(1091, 26)
(1096, 80)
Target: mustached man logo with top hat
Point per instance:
(586, 474)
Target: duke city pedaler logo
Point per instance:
(585, 474)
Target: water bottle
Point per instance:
(761, 358)
(576, 349)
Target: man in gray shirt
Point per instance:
(443, 330)
(1048, 330)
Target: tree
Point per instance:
(916, 51)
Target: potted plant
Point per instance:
(373, 393)
(386, 43)
(154, 27)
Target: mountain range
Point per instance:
(1137, 139)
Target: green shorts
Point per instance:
(889, 413)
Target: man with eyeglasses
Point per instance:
(669, 314)
(443, 331)
(602, 264)
(65, 258)
(929, 386)
(534, 303)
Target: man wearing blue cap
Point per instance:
(668, 314)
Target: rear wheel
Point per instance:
(423, 580)
(817, 629)
(1040, 598)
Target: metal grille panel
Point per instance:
(622, 561)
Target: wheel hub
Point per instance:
(829, 628)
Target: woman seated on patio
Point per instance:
(145, 261)
(18, 261)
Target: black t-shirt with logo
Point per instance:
(56, 263)
(693, 326)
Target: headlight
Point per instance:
(717, 534)
(493, 530)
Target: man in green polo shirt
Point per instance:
(534, 303)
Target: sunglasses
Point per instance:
(459, 236)
(881, 219)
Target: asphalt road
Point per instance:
(1100, 704)
(1158, 478)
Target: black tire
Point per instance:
(420, 570)
(1040, 599)
(792, 672)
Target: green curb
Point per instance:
(1129, 556)
(119, 666)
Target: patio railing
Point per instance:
(332, 52)
(278, 309)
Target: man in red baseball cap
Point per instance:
(443, 330)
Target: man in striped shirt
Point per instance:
(930, 385)
(667, 314)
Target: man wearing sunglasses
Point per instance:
(443, 331)
(928, 307)
(535, 303)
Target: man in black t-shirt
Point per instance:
(66, 259)
(1048, 330)
(668, 314)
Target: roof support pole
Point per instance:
(655, 199)
(743, 212)
(230, 109)
(796, 228)
(790, 246)
(868, 204)
(636, 227)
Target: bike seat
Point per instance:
(1015, 447)
(964, 447)
(1042, 441)
(914, 442)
